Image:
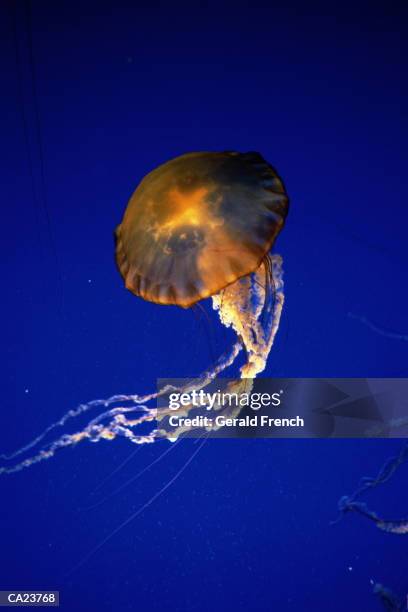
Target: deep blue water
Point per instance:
(320, 90)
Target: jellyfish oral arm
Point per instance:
(251, 306)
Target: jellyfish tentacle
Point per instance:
(137, 513)
(115, 471)
(133, 478)
(400, 526)
(95, 432)
(378, 329)
(390, 601)
(350, 503)
(252, 306)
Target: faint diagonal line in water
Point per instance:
(377, 329)
(133, 516)
(133, 478)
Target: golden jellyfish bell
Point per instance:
(198, 223)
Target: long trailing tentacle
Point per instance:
(109, 424)
(252, 306)
(134, 478)
(142, 508)
(351, 503)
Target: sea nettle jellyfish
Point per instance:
(201, 225)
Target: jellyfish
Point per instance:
(351, 503)
(200, 226)
(389, 600)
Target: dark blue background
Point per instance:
(320, 90)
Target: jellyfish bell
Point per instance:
(198, 223)
(203, 225)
